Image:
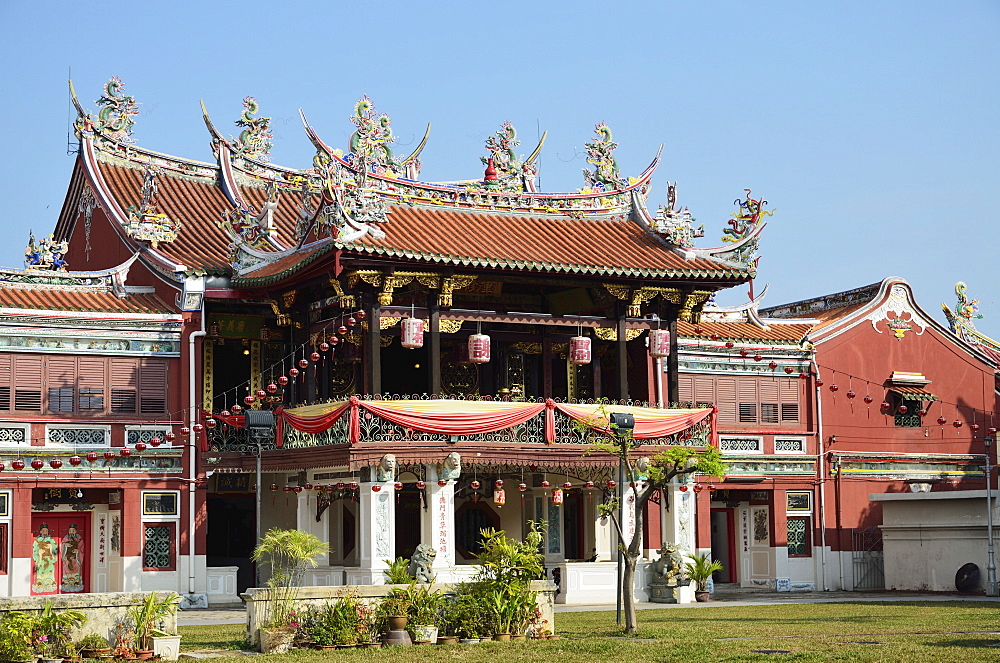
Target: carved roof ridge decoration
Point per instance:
(105, 280)
(829, 302)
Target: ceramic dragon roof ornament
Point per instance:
(369, 144)
(46, 254)
(250, 226)
(255, 139)
(600, 153)
(114, 121)
(346, 211)
(676, 224)
(966, 310)
(747, 218)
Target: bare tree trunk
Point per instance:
(628, 595)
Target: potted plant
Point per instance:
(148, 617)
(92, 645)
(700, 569)
(288, 552)
(424, 613)
(396, 571)
(53, 627)
(17, 635)
(395, 608)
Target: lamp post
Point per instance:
(622, 424)
(991, 566)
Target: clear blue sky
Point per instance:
(870, 126)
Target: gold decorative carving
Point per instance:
(346, 301)
(428, 279)
(288, 298)
(622, 292)
(446, 326)
(255, 376)
(695, 298)
(448, 285)
(611, 334)
(458, 379)
(528, 348)
(384, 340)
(386, 321)
(283, 318)
(515, 374)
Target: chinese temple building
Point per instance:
(405, 362)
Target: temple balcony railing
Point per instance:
(375, 429)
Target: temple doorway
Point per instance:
(59, 564)
(723, 548)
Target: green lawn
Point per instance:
(896, 631)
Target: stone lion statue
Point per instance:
(386, 470)
(670, 565)
(452, 466)
(420, 563)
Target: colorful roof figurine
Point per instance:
(961, 322)
(245, 218)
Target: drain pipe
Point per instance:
(192, 444)
(822, 478)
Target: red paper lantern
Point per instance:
(956, 423)
(991, 430)
(376, 488)
(187, 431)
(211, 423)
(758, 358)
(868, 399)
(2, 467)
(941, 421)
(91, 456)
(479, 349)
(851, 395)
(248, 400)
(37, 464)
(319, 489)
(557, 496)
(499, 497)
(421, 485)
(283, 380)
(730, 345)
(17, 464)
(260, 394)
(744, 352)
(973, 427)
(75, 460)
(921, 412)
(315, 356)
(351, 321)
(772, 365)
(198, 428)
(659, 343)
(237, 408)
(342, 330)
(272, 388)
(698, 488)
(819, 383)
(287, 489)
(567, 486)
(699, 329)
(498, 483)
(303, 363)
(902, 409)
(788, 370)
(125, 453)
(360, 315)
(611, 485)
(475, 484)
(411, 335)
(109, 455)
(274, 487)
(140, 446)
(683, 489)
(579, 350)
(804, 376)
(156, 441)
(522, 487)
(293, 372)
(333, 340)
(545, 484)
(324, 346)
(442, 482)
(308, 486)
(884, 405)
(170, 436)
(55, 463)
(834, 388)
(589, 484)
(297, 489)
(341, 485)
(398, 485)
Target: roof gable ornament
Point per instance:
(966, 310)
(114, 120)
(369, 144)
(676, 224)
(253, 227)
(347, 211)
(46, 254)
(255, 139)
(892, 310)
(600, 153)
(748, 217)
(144, 222)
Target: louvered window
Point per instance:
(789, 412)
(5, 375)
(768, 413)
(91, 382)
(153, 387)
(91, 399)
(748, 413)
(27, 379)
(60, 399)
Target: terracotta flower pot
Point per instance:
(396, 622)
(702, 597)
(447, 639)
(502, 637)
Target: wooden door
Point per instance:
(59, 562)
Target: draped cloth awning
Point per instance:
(448, 417)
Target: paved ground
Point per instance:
(724, 597)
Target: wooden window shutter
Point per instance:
(726, 394)
(60, 383)
(768, 401)
(92, 382)
(704, 390)
(152, 386)
(790, 388)
(747, 397)
(124, 383)
(685, 389)
(5, 381)
(27, 383)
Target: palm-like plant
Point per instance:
(148, 615)
(700, 569)
(288, 552)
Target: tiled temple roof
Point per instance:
(56, 298)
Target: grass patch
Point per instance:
(862, 631)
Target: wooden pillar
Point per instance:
(622, 359)
(673, 367)
(373, 357)
(434, 349)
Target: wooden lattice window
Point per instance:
(799, 544)
(158, 547)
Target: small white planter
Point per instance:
(167, 647)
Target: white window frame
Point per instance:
(27, 433)
(799, 512)
(49, 428)
(758, 438)
(159, 517)
(802, 440)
